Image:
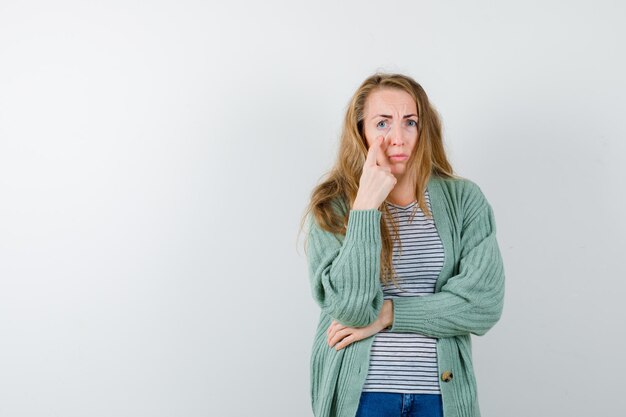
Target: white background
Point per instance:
(156, 158)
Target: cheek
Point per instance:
(368, 136)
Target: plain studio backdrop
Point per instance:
(156, 159)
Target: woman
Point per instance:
(403, 262)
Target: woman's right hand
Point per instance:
(376, 181)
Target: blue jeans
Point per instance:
(391, 404)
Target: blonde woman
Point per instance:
(403, 263)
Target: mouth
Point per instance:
(399, 157)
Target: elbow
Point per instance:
(489, 317)
(359, 314)
(483, 328)
(491, 308)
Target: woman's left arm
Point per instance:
(469, 302)
(472, 300)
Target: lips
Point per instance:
(398, 157)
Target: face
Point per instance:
(391, 113)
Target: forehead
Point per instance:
(390, 100)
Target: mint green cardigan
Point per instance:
(344, 273)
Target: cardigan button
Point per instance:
(446, 376)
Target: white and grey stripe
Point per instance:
(407, 362)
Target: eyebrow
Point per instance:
(389, 116)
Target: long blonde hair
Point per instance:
(342, 181)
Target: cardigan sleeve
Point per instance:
(344, 275)
(472, 300)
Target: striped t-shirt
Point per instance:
(407, 362)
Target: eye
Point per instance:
(379, 124)
(412, 122)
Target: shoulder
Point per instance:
(462, 190)
(332, 214)
(465, 195)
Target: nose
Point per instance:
(395, 134)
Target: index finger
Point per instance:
(381, 155)
(372, 152)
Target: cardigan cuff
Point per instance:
(364, 225)
(403, 314)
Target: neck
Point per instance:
(403, 193)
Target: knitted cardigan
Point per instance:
(344, 273)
